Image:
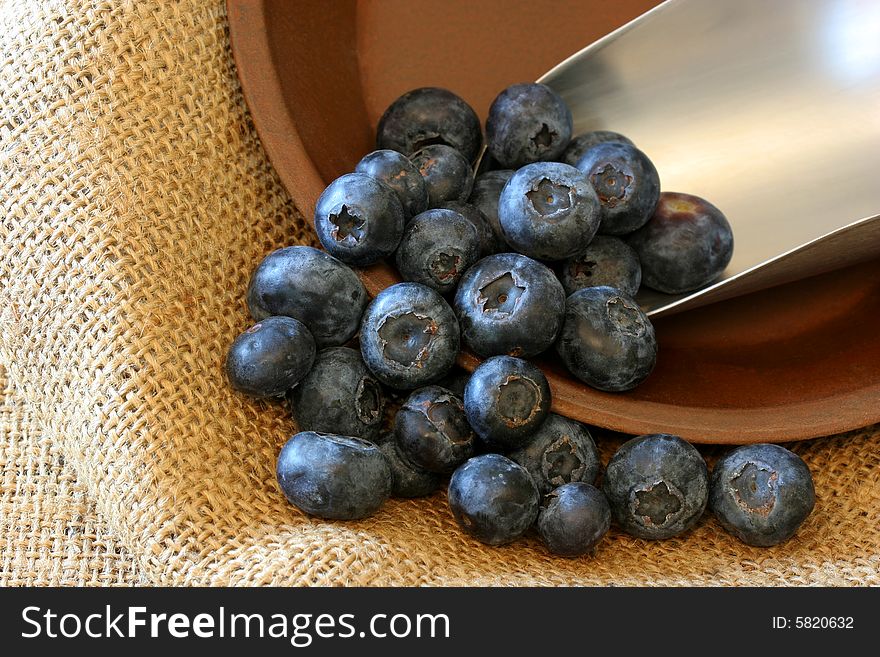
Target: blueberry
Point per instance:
(486, 236)
(334, 477)
(761, 493)
(657, 486)
(607, 341)
(606, 261)
(437, 247)
(409, 336)
(527, 123)
(561, 451)
(447, 174)
(270, 357)
(427, 116)
(582, 143)
(339, 396)
(625, 181)
(506, 400)
(574, 519)
(407, 480)
(493, 499)
(432, 430)
(509, 304)
(312, 286)
(548, 211)
(685, 245)
(485, 196)
(395, 170)
(359, 219)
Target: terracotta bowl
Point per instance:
(793, 362)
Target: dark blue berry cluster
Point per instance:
(541, 256)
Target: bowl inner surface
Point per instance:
(792, 362)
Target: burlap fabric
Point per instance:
(51, 532)
(136, 199)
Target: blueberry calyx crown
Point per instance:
(348, 226)
(562, 463)
(550, 199)
(407, 338)
(500, 295)
(754, 487)
(657, 504)
(611, 184)
(625, 316)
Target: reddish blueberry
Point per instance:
(685, 245)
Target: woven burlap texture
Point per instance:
(51, 532)
(136, 200)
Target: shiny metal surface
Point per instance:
(770, 110)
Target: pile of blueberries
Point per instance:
(544, 249)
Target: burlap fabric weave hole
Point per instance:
(136, 200)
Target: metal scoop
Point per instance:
(769, 110)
